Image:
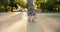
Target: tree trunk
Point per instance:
(6, 8)
(11, 9)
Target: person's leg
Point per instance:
(29, 18)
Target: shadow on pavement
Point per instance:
(34, 27)
(54, 16)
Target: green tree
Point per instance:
(22, 3)
(4, 3)
(49, 5)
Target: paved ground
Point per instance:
(18, 22)
(50, 22)
(13, 22)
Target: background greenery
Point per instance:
(40, 5)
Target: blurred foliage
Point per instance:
(48, 6)
(22, 3)
(41, 5)
(2, 8)
(10, 4)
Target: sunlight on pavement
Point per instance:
(13, 14)
(8, 16)
(16, 26)
(43, 23)
(24, 17)
(19, 26)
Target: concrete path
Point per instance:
(18, 22)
